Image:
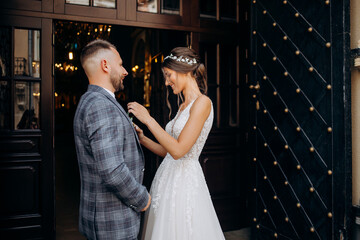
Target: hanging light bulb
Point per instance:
(71, 56)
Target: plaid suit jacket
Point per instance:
(111, 164)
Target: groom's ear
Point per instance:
(105, 66)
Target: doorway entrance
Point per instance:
(141, 51)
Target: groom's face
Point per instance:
(118, 72)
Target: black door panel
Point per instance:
(295, 119)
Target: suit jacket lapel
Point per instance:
(96, 88)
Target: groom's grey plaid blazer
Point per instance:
(111, 164)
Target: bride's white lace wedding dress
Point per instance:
(181, 207)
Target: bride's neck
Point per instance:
(191, 93)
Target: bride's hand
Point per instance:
(139, 111)
(139, 131)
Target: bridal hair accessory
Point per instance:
(181, 59)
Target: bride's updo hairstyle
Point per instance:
(185, 60)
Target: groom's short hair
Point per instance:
(94, 47)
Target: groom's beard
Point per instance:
(117, 82)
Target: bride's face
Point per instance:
(174, 79)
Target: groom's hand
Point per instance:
(147, 205)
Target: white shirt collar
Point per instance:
(110, 92)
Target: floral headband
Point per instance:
(181, 59)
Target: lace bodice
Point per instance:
(176, 125)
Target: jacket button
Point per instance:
(143, 170)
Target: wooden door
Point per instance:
(300, 96)
(224, 160)
(26, 163)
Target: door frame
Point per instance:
(342, 138)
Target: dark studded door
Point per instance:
(301, 133)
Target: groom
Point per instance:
(111, 161)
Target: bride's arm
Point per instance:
(150, 144)
(177, 148)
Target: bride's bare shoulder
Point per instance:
(202, 104)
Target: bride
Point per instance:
(181, 207)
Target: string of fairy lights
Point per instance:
(70, 38)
